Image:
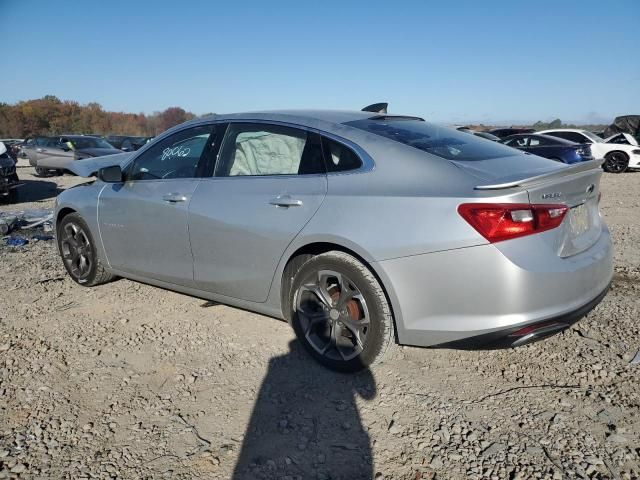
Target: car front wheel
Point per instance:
(78, 252)
(340, 313)
(615, 162)
(42, 172)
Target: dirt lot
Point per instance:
(131, 381)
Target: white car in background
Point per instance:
(618, 157)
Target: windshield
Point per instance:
(90, 142)
(440, 141)
(593, 136)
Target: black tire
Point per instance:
(344, 333)
(616, 162)
(59, 172)
(78, 252)
(42, 172)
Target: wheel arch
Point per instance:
(63, 212)
(618, 151)
(296, 256)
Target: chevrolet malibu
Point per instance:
(360, 229)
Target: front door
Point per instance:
(55, 154)
(143, 221)
(269, 181)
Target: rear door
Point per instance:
(143, 221)
(269, 181)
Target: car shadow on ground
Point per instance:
(35, 191)
(305, 423)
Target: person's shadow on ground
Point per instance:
(305, 423)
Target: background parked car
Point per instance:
(48, 154)
(617, 157)
(505, 132)
(127, 143)
(8, 177)
(547, 146)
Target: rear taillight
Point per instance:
(503, 221)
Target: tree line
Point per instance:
(51, 116)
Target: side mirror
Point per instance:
(112, 174)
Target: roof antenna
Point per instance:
(376, 108)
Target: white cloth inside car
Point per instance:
(266, 153)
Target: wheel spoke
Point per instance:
(320, 293)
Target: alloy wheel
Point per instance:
(76, 250)
(616, 162)
(333, 314)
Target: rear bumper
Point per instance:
(487, 292)
(518, 336)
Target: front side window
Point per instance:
(177, 156)
(262, 149)
(439, 141)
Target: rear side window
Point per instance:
(338, 157)
(261, 149)
(439, 141)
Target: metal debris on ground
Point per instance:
(26, 220)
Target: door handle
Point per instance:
(174, 198)
(285, 201)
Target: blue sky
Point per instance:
(450, 61)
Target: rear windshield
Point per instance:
(440, 141)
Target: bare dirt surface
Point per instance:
(130, 381)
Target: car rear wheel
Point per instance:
(615, 162)
(340, 313)
(78, 252)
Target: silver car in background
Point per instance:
(360, 229)
(55, 154)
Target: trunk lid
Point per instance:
(577, 186)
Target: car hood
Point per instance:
(629, 138)
(88, 167)
(98, 152)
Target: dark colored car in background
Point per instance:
(505, 132)
(550, 147)
(127, 143)
(9, 181)
(48, 154)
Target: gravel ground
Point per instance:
(131, 381)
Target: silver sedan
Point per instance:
(360, 229)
